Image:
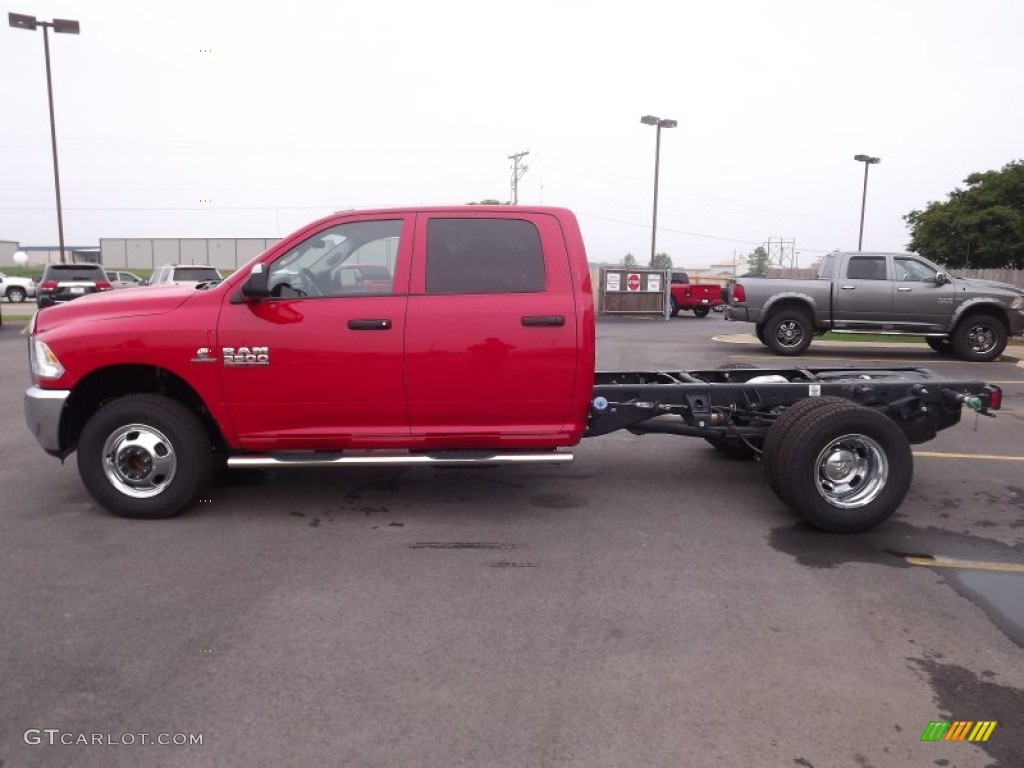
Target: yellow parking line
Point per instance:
(977, 565)
(989, 456)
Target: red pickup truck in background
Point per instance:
(698, 297)
(441, 336)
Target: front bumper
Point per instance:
(43, 409)
(1016, 322)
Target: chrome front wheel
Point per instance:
(145, 456)
(139, 461)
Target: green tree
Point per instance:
(981, 225)
(757, 261)
(629, 260)
(662, 261)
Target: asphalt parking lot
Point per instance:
(651, 604)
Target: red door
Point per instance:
(491, 347)
(329, 374)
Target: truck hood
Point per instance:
(126, 302)
(980, 285)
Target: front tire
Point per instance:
(845, 469)
(979, 338)
(16, 295)
(144, 457)
(788, 332)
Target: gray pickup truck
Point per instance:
(884, 293)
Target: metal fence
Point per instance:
(632, 291)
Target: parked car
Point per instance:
(64, 282)
(17, 289)
(184, 273)
(122, 279)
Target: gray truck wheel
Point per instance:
(16, 295)
(144, 456)
(940, 344)
(788, 331)
(979, 338)
(776, 442)
(847, 468)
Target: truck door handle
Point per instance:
(848, 287)
(369, 325)
(531, 321)
(904, 290)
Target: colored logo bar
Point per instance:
(959, 730)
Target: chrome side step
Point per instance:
(442, 459)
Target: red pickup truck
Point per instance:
(444, 336)
(698, 297)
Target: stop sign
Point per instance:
(633, 282)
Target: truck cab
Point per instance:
(425, 329)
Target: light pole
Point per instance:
(867, 160)
(659, 123)
(66, 26)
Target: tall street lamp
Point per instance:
(65, 26)
(659, 123)
(868, 161)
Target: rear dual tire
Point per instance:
(845, 468)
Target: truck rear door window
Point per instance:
(866, 268)
(472, 255)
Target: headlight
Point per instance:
(1017, 303)
(45, 364)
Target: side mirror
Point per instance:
(941, 278)
(257, 286)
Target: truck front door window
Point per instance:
(357, 258)
(914, 271)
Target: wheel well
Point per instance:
(106, 384)
(784, 304)
(988, 310)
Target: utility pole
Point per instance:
(518, 170)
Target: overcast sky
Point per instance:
(280, 113)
